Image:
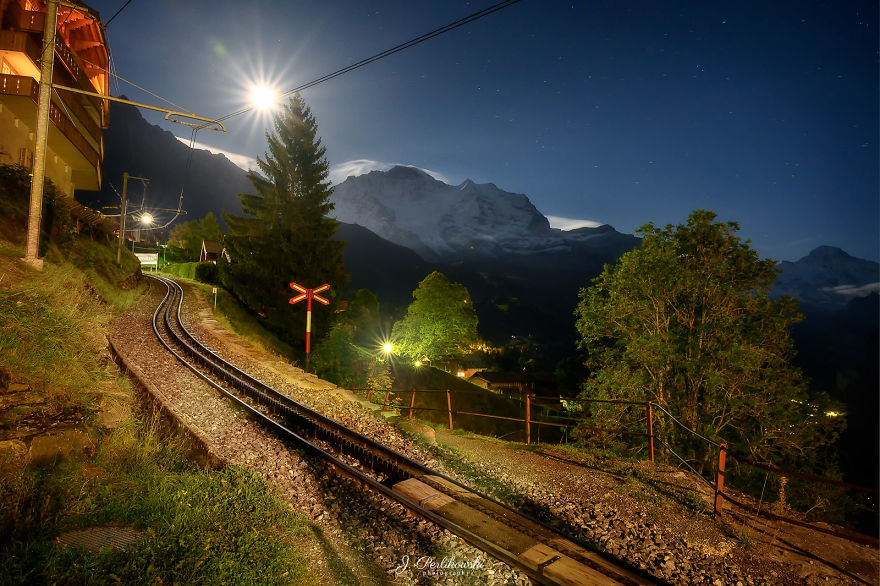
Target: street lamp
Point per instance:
(145, 220)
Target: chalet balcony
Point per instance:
(67, 71)
(20, 42)
(17, 18)
(65, 137)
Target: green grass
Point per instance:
(200, 526)
(50, 336)
(231, 316)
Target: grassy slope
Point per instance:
(200, 526)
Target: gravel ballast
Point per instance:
(374, 536)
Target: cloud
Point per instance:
(565, 224)
(855, 290)
(342, 171)
(243, 161)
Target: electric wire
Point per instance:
(386, 53)
(124, 6)
(357, 65)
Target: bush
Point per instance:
(56, 220)
(185, 270)
(206, 272)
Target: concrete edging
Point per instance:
(197, 443)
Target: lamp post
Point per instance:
(124, 211)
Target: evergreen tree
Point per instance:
(284, 234)
(687, 321)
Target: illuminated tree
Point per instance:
(686, 320)
(440, 323)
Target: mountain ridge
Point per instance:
(470, 221)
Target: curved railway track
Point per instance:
(544, 555)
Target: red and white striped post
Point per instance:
(308, 295)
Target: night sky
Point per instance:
(613, 112)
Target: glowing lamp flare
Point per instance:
(147, 219)
(263, 97)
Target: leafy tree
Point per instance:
(187, 236)
(686, 320)
(347, 355)
(440, 323)
(285, 234)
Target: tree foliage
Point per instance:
(440, 322)
(186, 237)
(285, 234)
(686, 320)
(347, 355)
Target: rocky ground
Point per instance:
(362, 539)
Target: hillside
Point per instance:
(82, 467)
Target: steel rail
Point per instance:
(395, 465)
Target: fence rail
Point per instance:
(717, 486)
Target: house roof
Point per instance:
(211, 246)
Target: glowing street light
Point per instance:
(146, 219)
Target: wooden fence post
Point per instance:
(449, 407)
(528, 419)
(719, 481)
(650, 430)
(412, 403)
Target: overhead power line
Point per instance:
(106, 24)
(388, 52)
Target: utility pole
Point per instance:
(123, 212)
(32, 248)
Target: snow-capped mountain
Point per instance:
(828, 278)
(469, 221)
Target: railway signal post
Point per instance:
(308, 295)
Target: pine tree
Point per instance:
(285, 233)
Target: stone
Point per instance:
(60, 443)
(112, 415)
(12, 452)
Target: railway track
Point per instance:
(544, 555)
